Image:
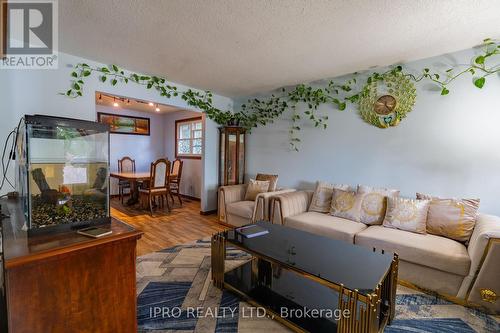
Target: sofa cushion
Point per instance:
(325, 225)
(255, 187)
(241, 208)
(428, 250)
(374, 203)
(452, 218)
(322, 197)
(346, 204)
(406, 214)
(273, 180)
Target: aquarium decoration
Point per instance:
(63, 172)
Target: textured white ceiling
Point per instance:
(240, 47)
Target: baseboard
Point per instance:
(112, 196)
(190, 197)
(208, 212)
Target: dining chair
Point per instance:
(125, 164)
(175, 179)
(159, 181)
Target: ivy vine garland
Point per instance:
(396, 88)
(260, 112)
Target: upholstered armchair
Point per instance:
(236, 211)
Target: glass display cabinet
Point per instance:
(231, 155)
(63, 172)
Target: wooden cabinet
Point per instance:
(231, 155)
(68, 282)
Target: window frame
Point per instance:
(178, 123)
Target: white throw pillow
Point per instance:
(255, 187)
(346, 204)
(374, 203)
(322, 197)
(407, 214)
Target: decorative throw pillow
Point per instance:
(255, 187)
(346, 204)
(273, 180)
(451, 218)
(374, 203)
(407, 214)
(322, 197)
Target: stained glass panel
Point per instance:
(189, 137)
(183, 147)
(197, 150)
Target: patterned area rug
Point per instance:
(175, 294)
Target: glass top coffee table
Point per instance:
(308, 282)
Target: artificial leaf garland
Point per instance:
(260, 112)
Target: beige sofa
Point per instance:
(234, 210)
(465, 274)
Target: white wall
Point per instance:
(36, 91)
(192, 168)
(447, 146)
(143, 149)
(209, 160)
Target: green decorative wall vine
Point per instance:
(260, 112)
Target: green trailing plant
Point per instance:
(303, 100)
(115, 75)
(478, 68)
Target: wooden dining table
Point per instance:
(134, 178)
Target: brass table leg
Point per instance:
(218, 257)
(393, 284)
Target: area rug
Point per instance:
(175, 294)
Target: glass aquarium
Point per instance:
(63, 171)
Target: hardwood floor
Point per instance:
(182, 225)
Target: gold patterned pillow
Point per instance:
(374, 203)
(255, 187)
(346, 204)
(451, 218)
(407, 214)
(273, 180)
(322, 197)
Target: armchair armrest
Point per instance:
(484, 273)
(263, 204)
(289, 204)
(487, 227)
(229, 194)
(233, 193)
